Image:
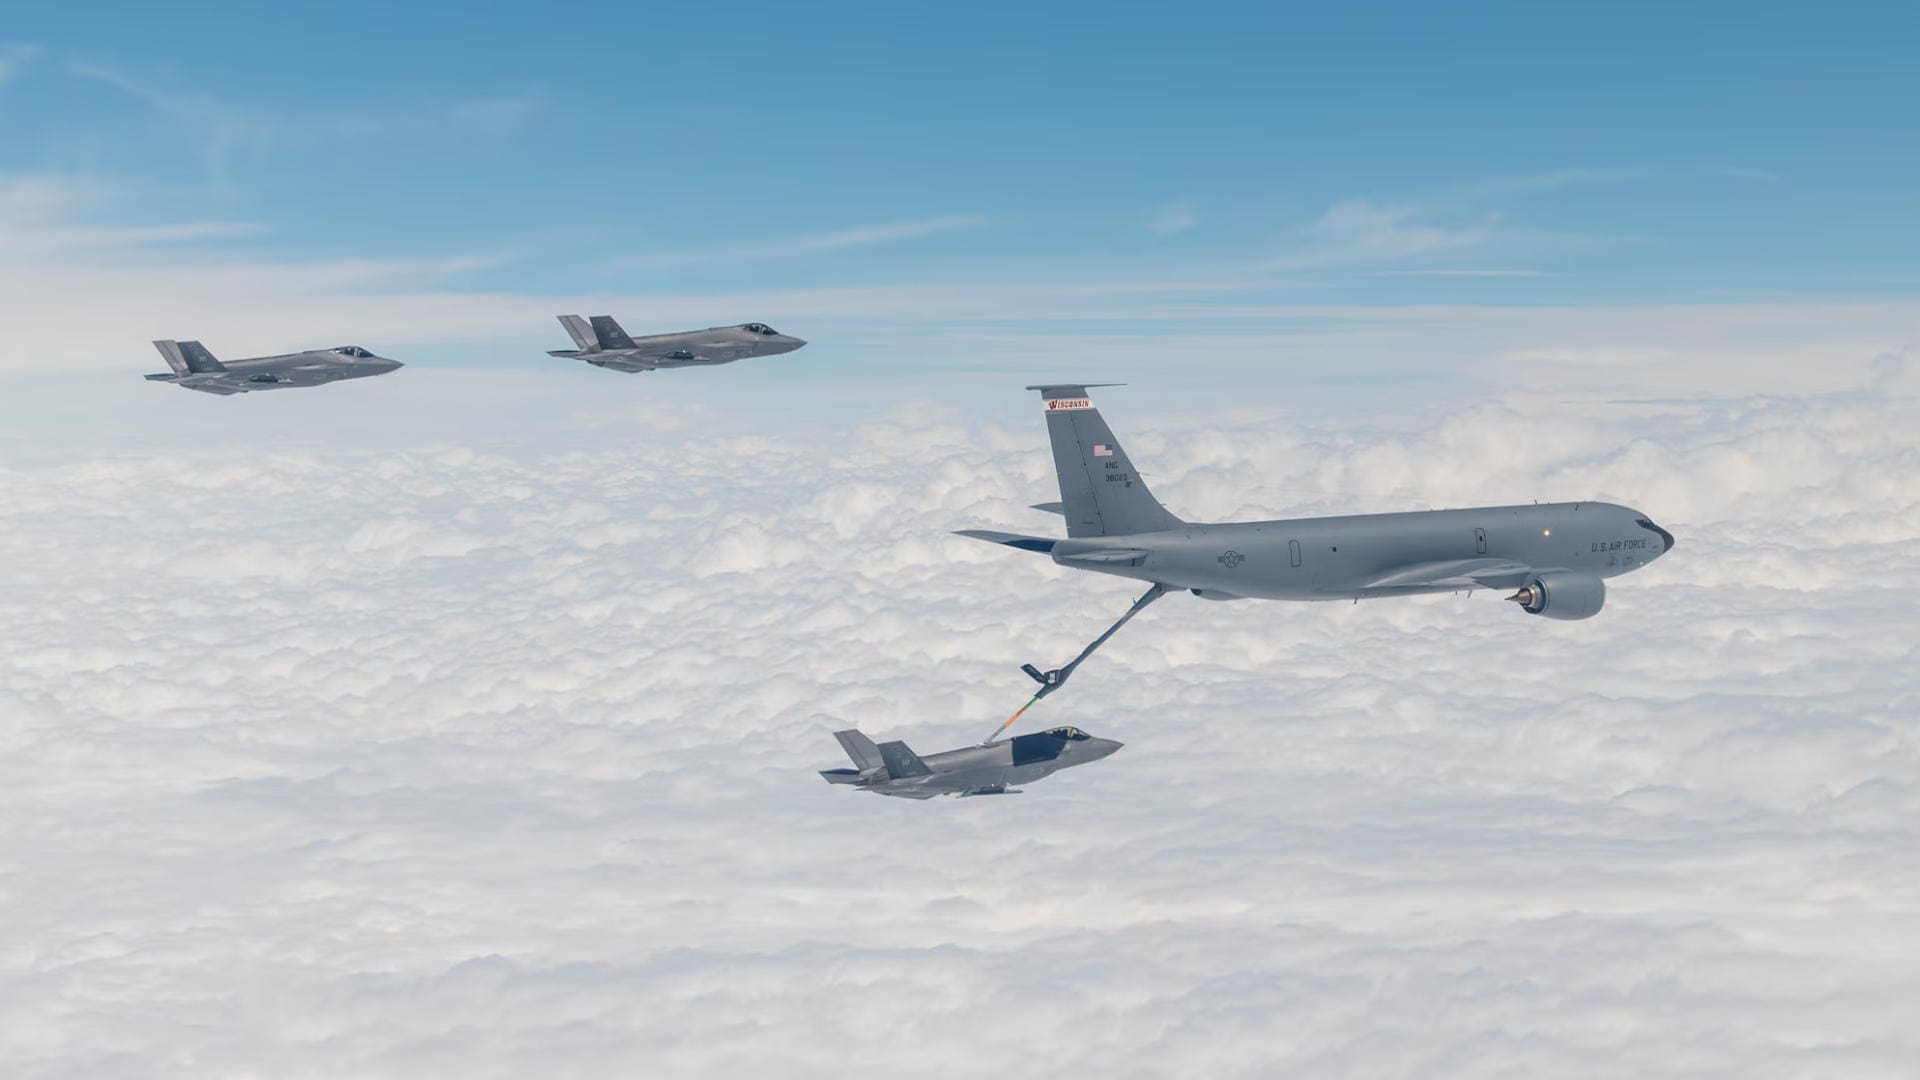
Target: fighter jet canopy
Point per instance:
(1071, 734)
(759, 328)
(354, 351)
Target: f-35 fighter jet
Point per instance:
(892, 769)
(195, 368)
(602, 343)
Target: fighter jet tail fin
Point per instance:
(902, 762)
(580, 332)
(188, 357)
(609, 333)
(865, 755)
(1100, 493)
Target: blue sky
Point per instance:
(1701, 149)
(1002, 178)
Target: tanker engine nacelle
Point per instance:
(1562, 594)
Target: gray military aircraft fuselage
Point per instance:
(990, 769)
(1556, 556)
(195, 368)
(600, 341)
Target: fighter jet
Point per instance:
(1555, 556)
(892, 769)
(195, 368)
(602, 343)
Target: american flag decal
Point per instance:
(1102, 450)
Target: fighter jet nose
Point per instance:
(1103, 747)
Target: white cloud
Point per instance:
(350, 756)
(1175, 217)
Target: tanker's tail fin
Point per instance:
(1100, 493)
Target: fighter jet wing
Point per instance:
(1484, 573)
(667, 352)
(645, 357)
(211, 387)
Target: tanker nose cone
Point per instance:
(1666, 538)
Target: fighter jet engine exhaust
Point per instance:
(1562, 595)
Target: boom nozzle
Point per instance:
(1048, 679)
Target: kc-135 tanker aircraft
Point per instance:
(1556, 556)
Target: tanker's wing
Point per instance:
(1482, 573)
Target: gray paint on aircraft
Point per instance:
(195, 368)
(1557, 554)
(891, 768)
(601, 342)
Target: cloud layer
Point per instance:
(490, 758)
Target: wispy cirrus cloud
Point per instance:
(1551, 180)
(857, 236)
(223, 131)
(1742, 172)
(1458, 223)
(1466, 272)
(68, 240)
(47, 215)
(1175, 217)
(229, 132)
(1361, 231)
(14, 58)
